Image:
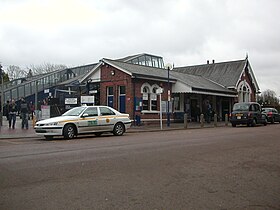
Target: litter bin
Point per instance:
(138, 120)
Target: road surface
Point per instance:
(215, 168)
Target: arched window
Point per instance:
(154, 97)
(244, 92)
(149, 97)
(145, 90)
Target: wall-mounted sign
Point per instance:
(87, 99)
(92, 91)
(71, 101)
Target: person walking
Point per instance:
(12, 109)
(6, 110)
(24, 111)
(32, 109)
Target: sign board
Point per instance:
(71, 101)
(92, 91)
(46, 112)
(164, 105)
(46, 90)
(87, 99)
(159, 91)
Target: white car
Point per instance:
(84, 120)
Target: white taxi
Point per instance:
(84, 120)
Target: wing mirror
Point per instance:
(85, 115)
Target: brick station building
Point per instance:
(130, 85)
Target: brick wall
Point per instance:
(121, 78)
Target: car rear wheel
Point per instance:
(118, 129)
(272, 120)
(69, 132)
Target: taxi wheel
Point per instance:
(69, 132)
(118, 129)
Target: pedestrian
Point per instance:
(6, 110)
(32, 109)
(24, 111)
(12, 114)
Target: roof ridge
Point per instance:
(210, 64)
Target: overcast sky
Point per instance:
(184, 32)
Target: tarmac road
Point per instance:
(217, 168)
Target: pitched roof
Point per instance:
(139, 70)
(194, 81)
(200, 83)
(225, 73)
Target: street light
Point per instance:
(169, 67)
(2, 95)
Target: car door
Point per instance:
(107, 119)
(276, 114)
(258, 113)
(88, 122)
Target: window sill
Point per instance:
(149, 112)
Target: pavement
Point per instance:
(18, 132)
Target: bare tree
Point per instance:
(45, 68)
(15, 72)
(269, 98)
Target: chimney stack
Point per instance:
(207, 61)
(213, 61)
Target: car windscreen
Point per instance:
(267, 110)
(241, 107)
(75, 111)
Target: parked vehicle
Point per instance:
(272, 114)
(248, 113)
(84, 120)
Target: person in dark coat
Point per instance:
(6, 110)
(24, 111)
(12, 109)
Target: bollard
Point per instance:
(201, 120)
(215, 120)
(226, 119)
(185, 120)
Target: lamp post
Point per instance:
(168, 99)
(2, 95)
(169, 66)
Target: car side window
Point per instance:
(106, 111)
(91, 111)
(257, 108)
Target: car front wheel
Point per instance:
(254, 123)
(118, 129)
(69, 132)
(265, 122)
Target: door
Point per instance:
(89, 121)
(122, 104)
(122, 99)
(225, 109)
(110, 97)
(107, 119)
